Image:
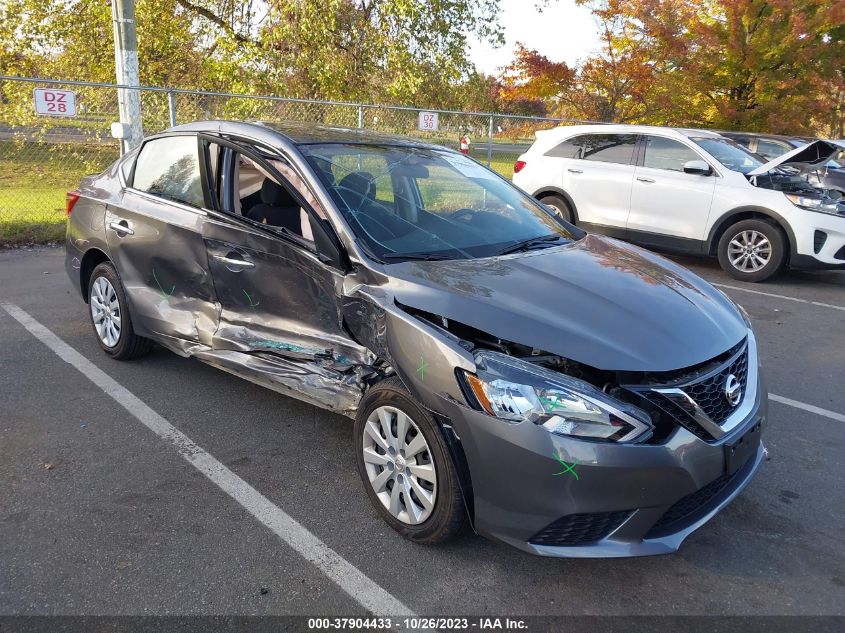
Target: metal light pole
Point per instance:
(126, 71)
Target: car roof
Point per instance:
(298, 133)
(777, 137)
(624, 128)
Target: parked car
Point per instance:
(829, 175)
(690, 191)
(565, 393)
(768, 146)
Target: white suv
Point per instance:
(690, 191)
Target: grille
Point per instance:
(709, 394)
(677, 414)
(840, 254)
(580, 529)
(819, 238)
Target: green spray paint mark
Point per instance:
(252, 304)
(568, 468)
(164, 294)
(421, 368)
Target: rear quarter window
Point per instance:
(570, 148)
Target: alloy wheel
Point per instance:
(749, 251)
(399, 465)
(105, 311)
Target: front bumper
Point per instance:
(819, 242)
(522, 490)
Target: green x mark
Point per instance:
(421, 368)
(164, 294)
(568, 468)
(252, 303)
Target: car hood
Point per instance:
(596, 301)
(804, 159)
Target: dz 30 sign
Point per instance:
(55, 102)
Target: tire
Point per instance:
(105, 282)
(770, 242)
(447, 516)
(560, 206)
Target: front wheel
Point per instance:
(405, 466)
(753, 250)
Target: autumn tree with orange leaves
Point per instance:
(767, 65)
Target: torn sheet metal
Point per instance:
(314, 383)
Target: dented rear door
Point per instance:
(154, 234)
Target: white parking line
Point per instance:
(833, 415)
(769, 294)
(362, 589)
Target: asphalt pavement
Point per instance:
(101, 515)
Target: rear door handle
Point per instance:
(121, 228)
(574, 171)
(644, 179)
(234, 264)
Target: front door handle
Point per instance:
(121, 228)
(575, 171)
(234, 264)
(644, 179)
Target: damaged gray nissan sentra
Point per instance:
(562, 392)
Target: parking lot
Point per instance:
(258, 508)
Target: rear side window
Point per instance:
(771, 149)
(570, 148)
(609, 148)
(665, 153)
(169, 168)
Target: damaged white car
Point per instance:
(691, 191)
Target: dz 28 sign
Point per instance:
(55, 102)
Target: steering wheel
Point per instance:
(460, 213)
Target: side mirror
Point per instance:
(697, 167)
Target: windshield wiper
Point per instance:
(535, 242)
(421, 255)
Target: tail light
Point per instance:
(71, 197)
(518, 165)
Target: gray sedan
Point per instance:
(558, 391)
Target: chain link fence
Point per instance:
(43, 156)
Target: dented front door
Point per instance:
(275, 297)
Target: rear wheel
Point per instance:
(560, 206)
(753, 250)
(405, 466)
(110, 316)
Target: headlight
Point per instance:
(517, 391)
(822, 205)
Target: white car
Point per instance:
(690, 191)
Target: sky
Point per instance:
(562, 32)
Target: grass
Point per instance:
(34, 178)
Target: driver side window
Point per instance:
(258, 194)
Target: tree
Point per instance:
(750, 64)
(371, 50)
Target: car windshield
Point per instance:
(426, 203)
(730, 154)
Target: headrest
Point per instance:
(274, 194)
(361, 182)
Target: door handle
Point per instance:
(644, 179)
(234, 262)
(574, 171)
(121, 228)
